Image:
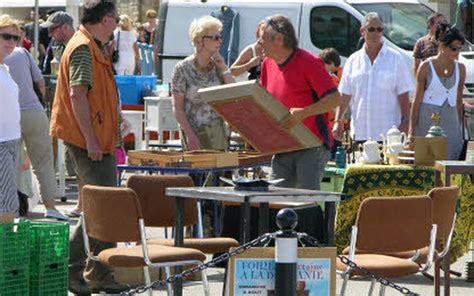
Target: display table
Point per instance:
(362, 181)
(136, 120)
(159, 117)
(274, 195)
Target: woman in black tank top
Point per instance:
(250, 58)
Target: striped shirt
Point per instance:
(80, 68)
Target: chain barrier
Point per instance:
(264, 240)
(352, 265)
(261, 240)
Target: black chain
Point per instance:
(365, 272)
(264, 240)
(261, 240)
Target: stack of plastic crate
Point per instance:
(14, 258)
(49, 258)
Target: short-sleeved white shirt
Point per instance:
(10, 110)
(374, 90)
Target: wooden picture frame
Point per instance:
(316, 272)
(253, 112)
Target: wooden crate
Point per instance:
(428, 150)
(193, 159)
(253, 157)
(256, 115)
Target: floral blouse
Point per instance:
(186, 81)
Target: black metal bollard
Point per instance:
(286, 253)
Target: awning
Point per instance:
(31, 3)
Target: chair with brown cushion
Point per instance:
(444, 216)
(114, 215)
(159, 211)
(388, 225)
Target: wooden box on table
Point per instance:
(193, 159)
(249, 109)
(428, 150)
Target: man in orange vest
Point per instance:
(85, 117)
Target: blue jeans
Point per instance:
(301, 169)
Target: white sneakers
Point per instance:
(55, 214)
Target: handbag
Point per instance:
(115, 54)
(37, 90)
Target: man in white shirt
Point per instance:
(375, 82)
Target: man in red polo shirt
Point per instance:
(300, 81)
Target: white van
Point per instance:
(318, 24)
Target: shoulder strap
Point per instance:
(29, 62)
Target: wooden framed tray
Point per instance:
(256, 115)
(192, 159)
(253, 157)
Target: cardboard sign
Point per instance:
(256, 115)
(253, 272)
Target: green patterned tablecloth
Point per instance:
(362, 181)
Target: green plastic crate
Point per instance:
(14, 282)
(14, 245)
(49, 242)
(49, 279)
(49, 258)
(14, 258)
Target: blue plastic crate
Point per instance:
(132, 87)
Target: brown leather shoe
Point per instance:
(108, 284)
(79, 287)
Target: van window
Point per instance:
(333, 27)
(404, 22)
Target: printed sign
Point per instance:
(253, 272)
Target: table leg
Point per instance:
(437, 283)
(447, 180)
(119, 177)
(447, 274)
(178, 241)
(245, 222)
(329, 220)
(263, 214)
(438, 182)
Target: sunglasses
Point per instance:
(454, 48)
(215, 37)
(6, 37)
(372, 29)
(274, 25)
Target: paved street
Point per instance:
(417, 283)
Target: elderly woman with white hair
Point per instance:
(126, 43)
(202, 126)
